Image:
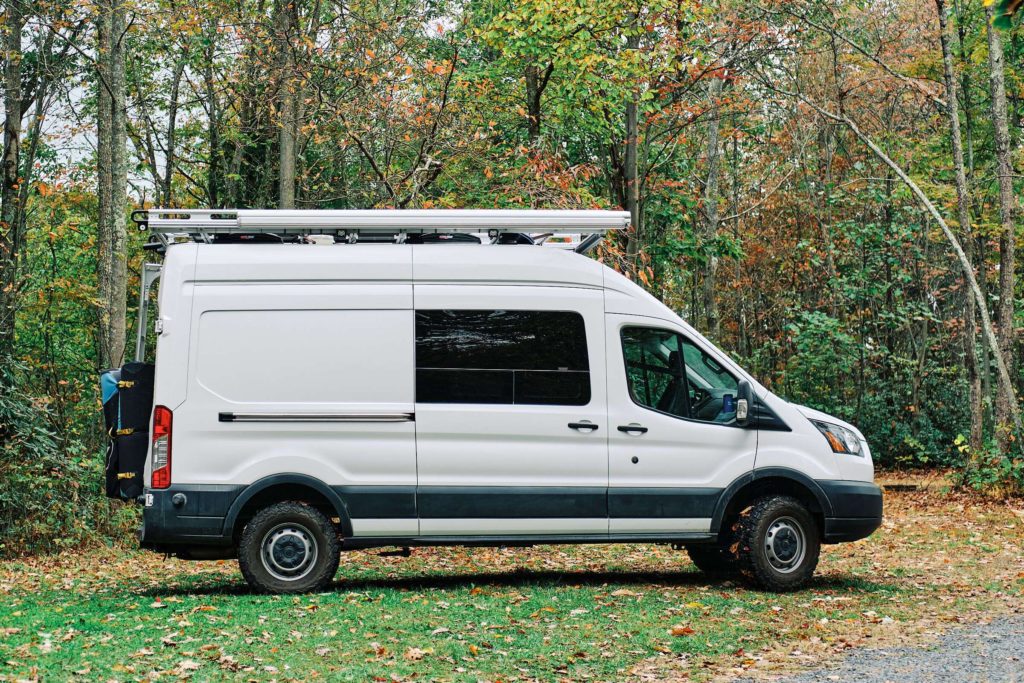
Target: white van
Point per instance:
(334, 380)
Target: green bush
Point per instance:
(874, 388)
(989, 469)
(50, 492)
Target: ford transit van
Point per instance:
(334, 380)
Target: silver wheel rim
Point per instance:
(785, 545)
(288, 551)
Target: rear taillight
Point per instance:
(161, 447)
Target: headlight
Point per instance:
(841, 439)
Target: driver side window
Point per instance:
(668, 373)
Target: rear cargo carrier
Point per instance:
(127, 404)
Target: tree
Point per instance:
(1006, 403)
(287, 39)
(112, 183)
(963, 205)
(10, 234)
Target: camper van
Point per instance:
(334, 380)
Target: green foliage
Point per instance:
(49, 496)
(828, 282)
(989, 469)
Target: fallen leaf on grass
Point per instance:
(186, 665)
(228, 662)
(680, 630)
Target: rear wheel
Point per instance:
(777, 543)
(289, 547)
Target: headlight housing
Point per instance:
(841, 439)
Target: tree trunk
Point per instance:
(287, 27)
(533, 102)
(963, 203)
(112, 173)
(711, 208)
(744, 340)
(10, 219)
(536, 83)
(1007, 206)
(630, 173)
(172, 130)
(213, 129)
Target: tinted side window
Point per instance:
(668, 373)
(524, 357)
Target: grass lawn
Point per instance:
(547, 613)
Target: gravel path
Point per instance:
(993, 653)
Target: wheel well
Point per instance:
(279, 493)
(780, 486)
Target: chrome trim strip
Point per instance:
(316, 417)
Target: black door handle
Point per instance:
(632, 428)
(583, 425)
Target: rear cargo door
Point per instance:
(311, 377)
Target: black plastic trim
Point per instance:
(511, 502)
(199, 520)
(853, 498)
(847, 529)
(277, 479)
(379, 502)
(730, 492)
(663, 503)
(763, 417)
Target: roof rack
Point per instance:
(377, 225)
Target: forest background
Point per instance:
(828, 190)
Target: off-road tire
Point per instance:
(299, 524)
(777, 521)
(712, 559)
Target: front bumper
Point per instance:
(856, 510)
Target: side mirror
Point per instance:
(744, 402)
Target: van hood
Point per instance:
(812, 414)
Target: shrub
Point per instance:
(50, 492)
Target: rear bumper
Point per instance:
(856, 510)
(187, 515)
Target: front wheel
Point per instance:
(777, 543)
(289, 547)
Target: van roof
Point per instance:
(485, 264)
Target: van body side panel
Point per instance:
(306, 377)
(513, 468)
